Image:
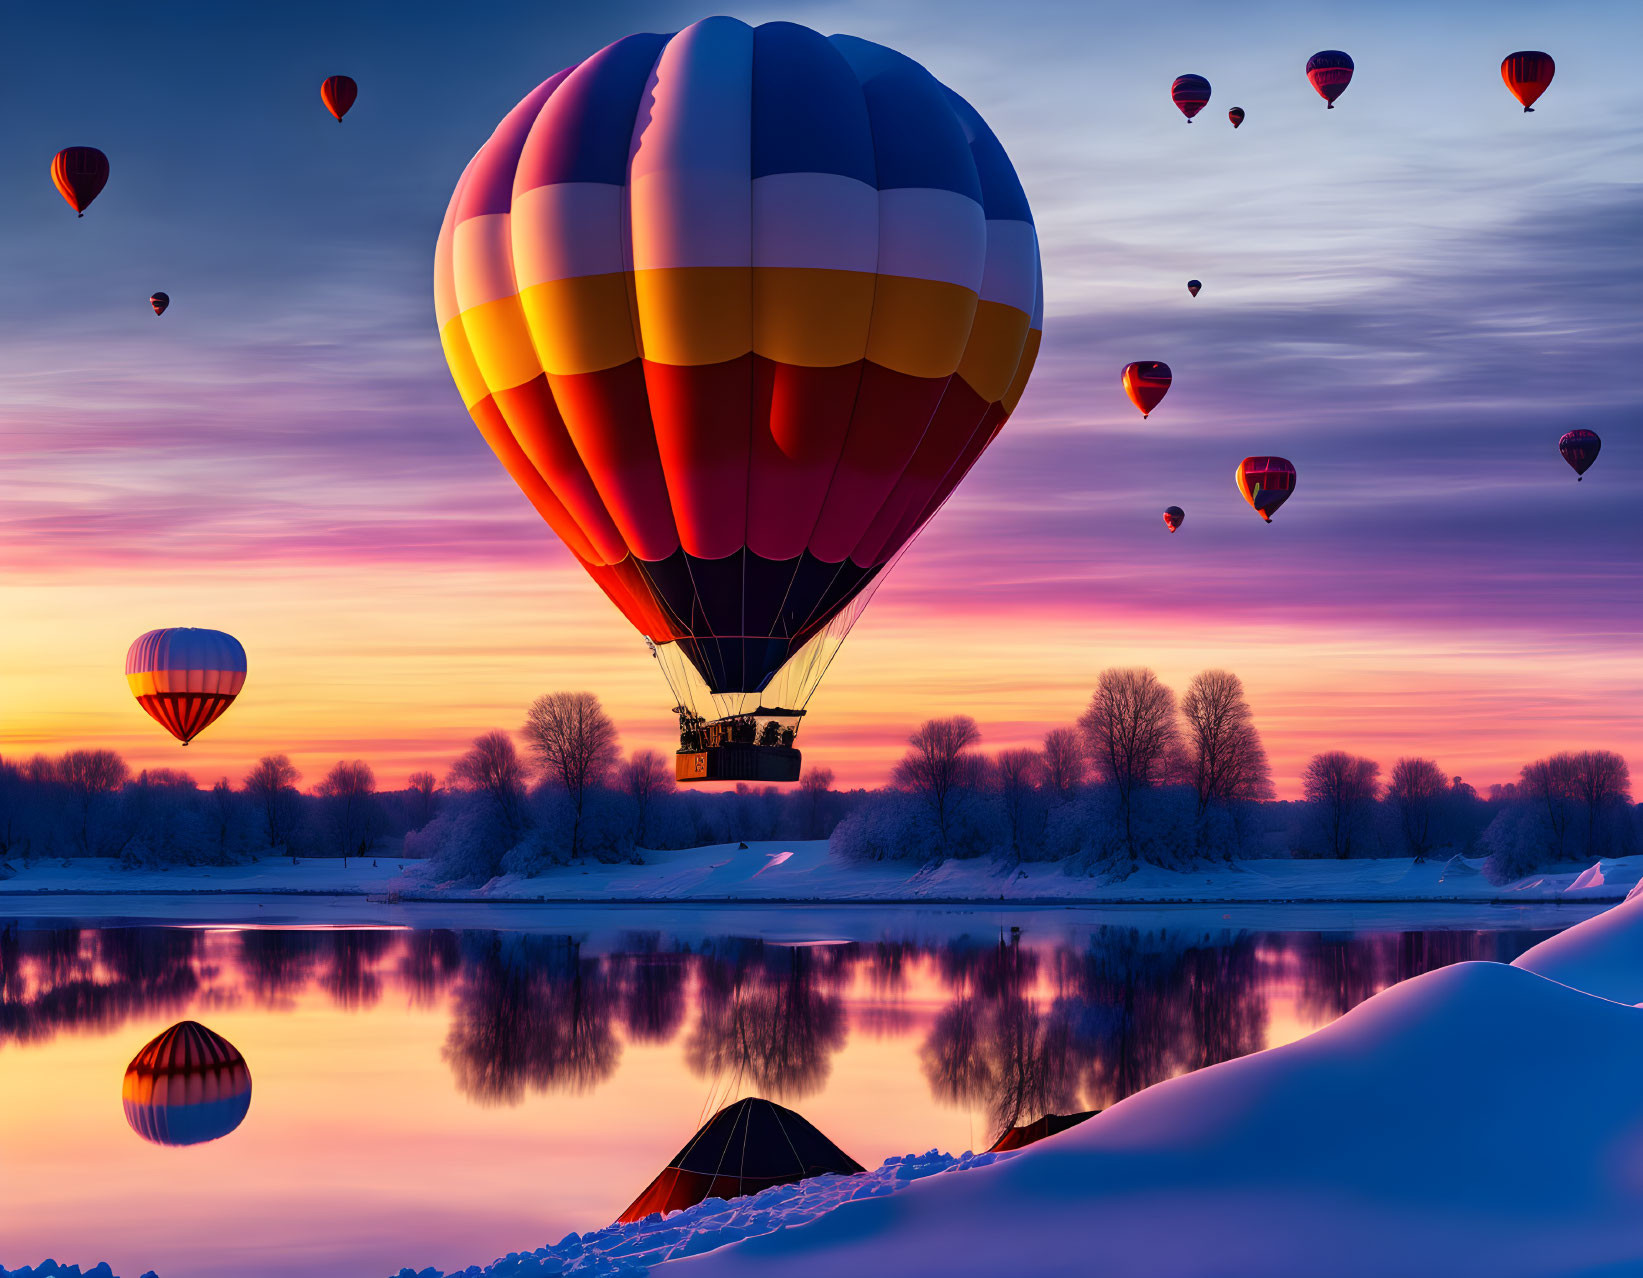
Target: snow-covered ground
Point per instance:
(807, 871)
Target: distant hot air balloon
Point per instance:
(1146, 382)
(1236, 115)
(1189, 93)
(737, 308)
(1174, 517)
(1330, 72)
(159, 301)
(187, 1086)
(1580, 449)
(80, 172)
(1266, 483)
(338, 93)
(1193, 286)
(1527, 75)
(185, 678)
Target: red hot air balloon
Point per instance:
(1579, 449)
(159, 301)
(1266, 483)
(1146, 382)
(1236, 115)
(1174, 517)
(1193, 286)
(1330, 72)
(1189, 93)
(185, 678)
(338, 93)
(79, 172)
(1527, 75)
(738, 308)
(187, 1086)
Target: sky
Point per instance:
(1411, 297)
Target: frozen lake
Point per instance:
(470, 1081)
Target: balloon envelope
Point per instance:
(1174, 517)
(80, 173)
(159, 301)
(1236, 115)
(1266, 483)
(1330, 72)
(1527, 74)
(185, 678)
(1189, 93)
(1580, 449)
(188, 1085)
(1193, 286)
(1146, 382)
(338, 93)
(737, 308)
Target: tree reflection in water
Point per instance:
(1023, 1027)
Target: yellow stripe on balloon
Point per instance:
(994, 352)
(501, 343)
(582, 325)
(470, 382)
(1024, 370)
(696, 314)
(812, 318)
(920, 327)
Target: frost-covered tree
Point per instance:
(492, 769)
(89, 777)
(1341, 789)
(1015, 776)
(942, 768)
(644, 778)
(815, 787)
(349, 791)
(1414, 790)
(272, 785)
(422, 790)
(574, 744)
(1065, 763)
(1132, 738)
(1602, 783)
(1224, 756)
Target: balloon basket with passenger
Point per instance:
(757, 746)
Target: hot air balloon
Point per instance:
(1193, 286)
(79, 172)
(1527, 75)
(737, 308)
(1330, 72)
(1236, 115)
(159, 301)
(1580, 449)
(338, 93)
(185, 678)
(1189, 93)
(1266, 483)
(1174, 517)
(187, 1086)
(1146, 382)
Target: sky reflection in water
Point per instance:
(439, 1097)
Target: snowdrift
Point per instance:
(1603, 956)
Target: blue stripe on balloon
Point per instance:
(809, 115)
(591, 115)
(1001, 193)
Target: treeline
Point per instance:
(1144, 779)
(569, 793)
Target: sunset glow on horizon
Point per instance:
(283, 456)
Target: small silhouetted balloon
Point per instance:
(1330, 71)
(80, 173)
(1146, 382)
(1527, 74)
(1236, 115)
(1174, 517)
(1193, 286)
(159, 301)
(338, 93)
(1580, 449)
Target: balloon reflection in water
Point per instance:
(187, 1086)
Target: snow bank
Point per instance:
(807, 871)
(51, 1269)
(1602, 956)
(1345, 1153)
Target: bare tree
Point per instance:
(1065, 762)
(88, 775)
(642, 778)
(574, 742)
(349, 790)
(1601, 780)
(1132, 737)
(1225, 759)
(422, 786)
(492, 767)
(941, 767)
(1551, 784)
(1016, 773)
(1415, 787)
(814, 787)
(273, 784)
(1341, 786)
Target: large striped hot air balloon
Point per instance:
(338, 92)
(1146, 382)
(1329, 71)
(79, 173)
(185, 678)
(737, 308)
(1528, 73)
(1190, 93)
(1266, 483)
(187, 1086)
(1580, 449)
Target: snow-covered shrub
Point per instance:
(1087, 833)
(465, 843)
(1517, 842)
(888, 826)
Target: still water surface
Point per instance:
(438, 1096)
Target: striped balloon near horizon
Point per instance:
(185, 678)
(186, 1086)
(737, 308)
